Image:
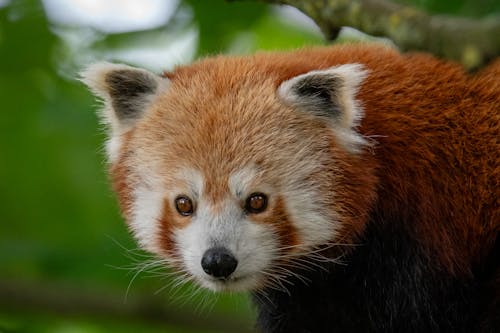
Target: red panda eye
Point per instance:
(184, 205)
(256, 203)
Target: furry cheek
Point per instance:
(168, 223)
(146, 211)
(279, 221)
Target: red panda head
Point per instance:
(231, 168)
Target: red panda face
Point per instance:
(231, 177)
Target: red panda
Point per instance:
(348, 188)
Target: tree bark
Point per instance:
(472, 42)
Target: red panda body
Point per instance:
(282, 164)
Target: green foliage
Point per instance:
(221, 26)
(219, 23)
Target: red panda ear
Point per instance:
(329, 94)
(127, 92)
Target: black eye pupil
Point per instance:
(256, 203)
(184, 205)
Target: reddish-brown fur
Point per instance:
(168, 222)
(432, 145)
(280, 220)
(123, 179)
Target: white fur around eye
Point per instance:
(192, 180)
(240, 181)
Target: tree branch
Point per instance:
(66, 300)
(473, 42)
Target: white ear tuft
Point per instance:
(127, 92)
(330, 94)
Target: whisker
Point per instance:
(262, 293)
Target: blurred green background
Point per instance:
(67, 262)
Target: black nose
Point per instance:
(218, 262)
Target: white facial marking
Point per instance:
(305, 205)
(148, 205)
(113, 146)
(192, 181)
(240, 181)
(244, 182)
(147, 210)
(313, 226)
